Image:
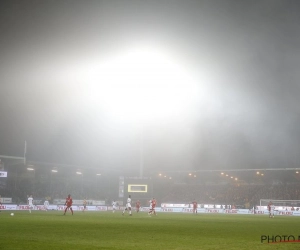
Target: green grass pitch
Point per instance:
(107, 230)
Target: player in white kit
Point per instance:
(46, 205)
(272, 211)
(30, 203)
(128, 206)
(114, 205)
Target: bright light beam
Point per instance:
(144, 85)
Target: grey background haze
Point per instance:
(244, 55)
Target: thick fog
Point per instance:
(236, 105)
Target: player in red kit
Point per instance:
(68, 203)
(195, 205)
(153, 205)
(137, 206)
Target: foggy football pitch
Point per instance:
(107, 230)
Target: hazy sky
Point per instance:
(240, 61)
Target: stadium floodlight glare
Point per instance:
(143, 85)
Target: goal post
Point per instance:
(9, 159)
(12, 160)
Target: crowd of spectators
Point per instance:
(245, 195)
(239, 195)
(56, 189)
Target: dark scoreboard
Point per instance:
(137, 188)
(140, 188)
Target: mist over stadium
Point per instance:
(198, 100)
